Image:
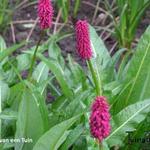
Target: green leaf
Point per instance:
(51, 139)
(15, 96)
(32, 112)
(54, 52)
(10, 50)
(98, 48)
(67, 108)
(127, 120)
(72, 137)
(23, 62)
(4, 93)
(102, 61)
(2, 44)
(8, 146)
(64, 6)
(139, 73)
(130, 13)
(81, 143)
(77, 74)
(76, 7)
(8, 114)
(75, 106)
(123, 67)
(59, 73)
(40, 73)
(142, 132)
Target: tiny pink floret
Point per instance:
(83, 40)
(100, 119)
(45, 13)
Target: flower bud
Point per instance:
(45, 13)
(83, 40)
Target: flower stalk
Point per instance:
(34, 54)
(96, 78)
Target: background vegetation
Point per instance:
(53, 107)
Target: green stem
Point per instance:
(96, 78)
(101, 146)
(34, 55)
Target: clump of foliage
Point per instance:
(130, 13)
(64, 123)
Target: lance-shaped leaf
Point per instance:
(127, 120)
(139, 73)
(8, 51)
(32, 120)
(53, 138)
(59, 73)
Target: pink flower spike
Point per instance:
(45, 13)
(83, 40)
(100, 119)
